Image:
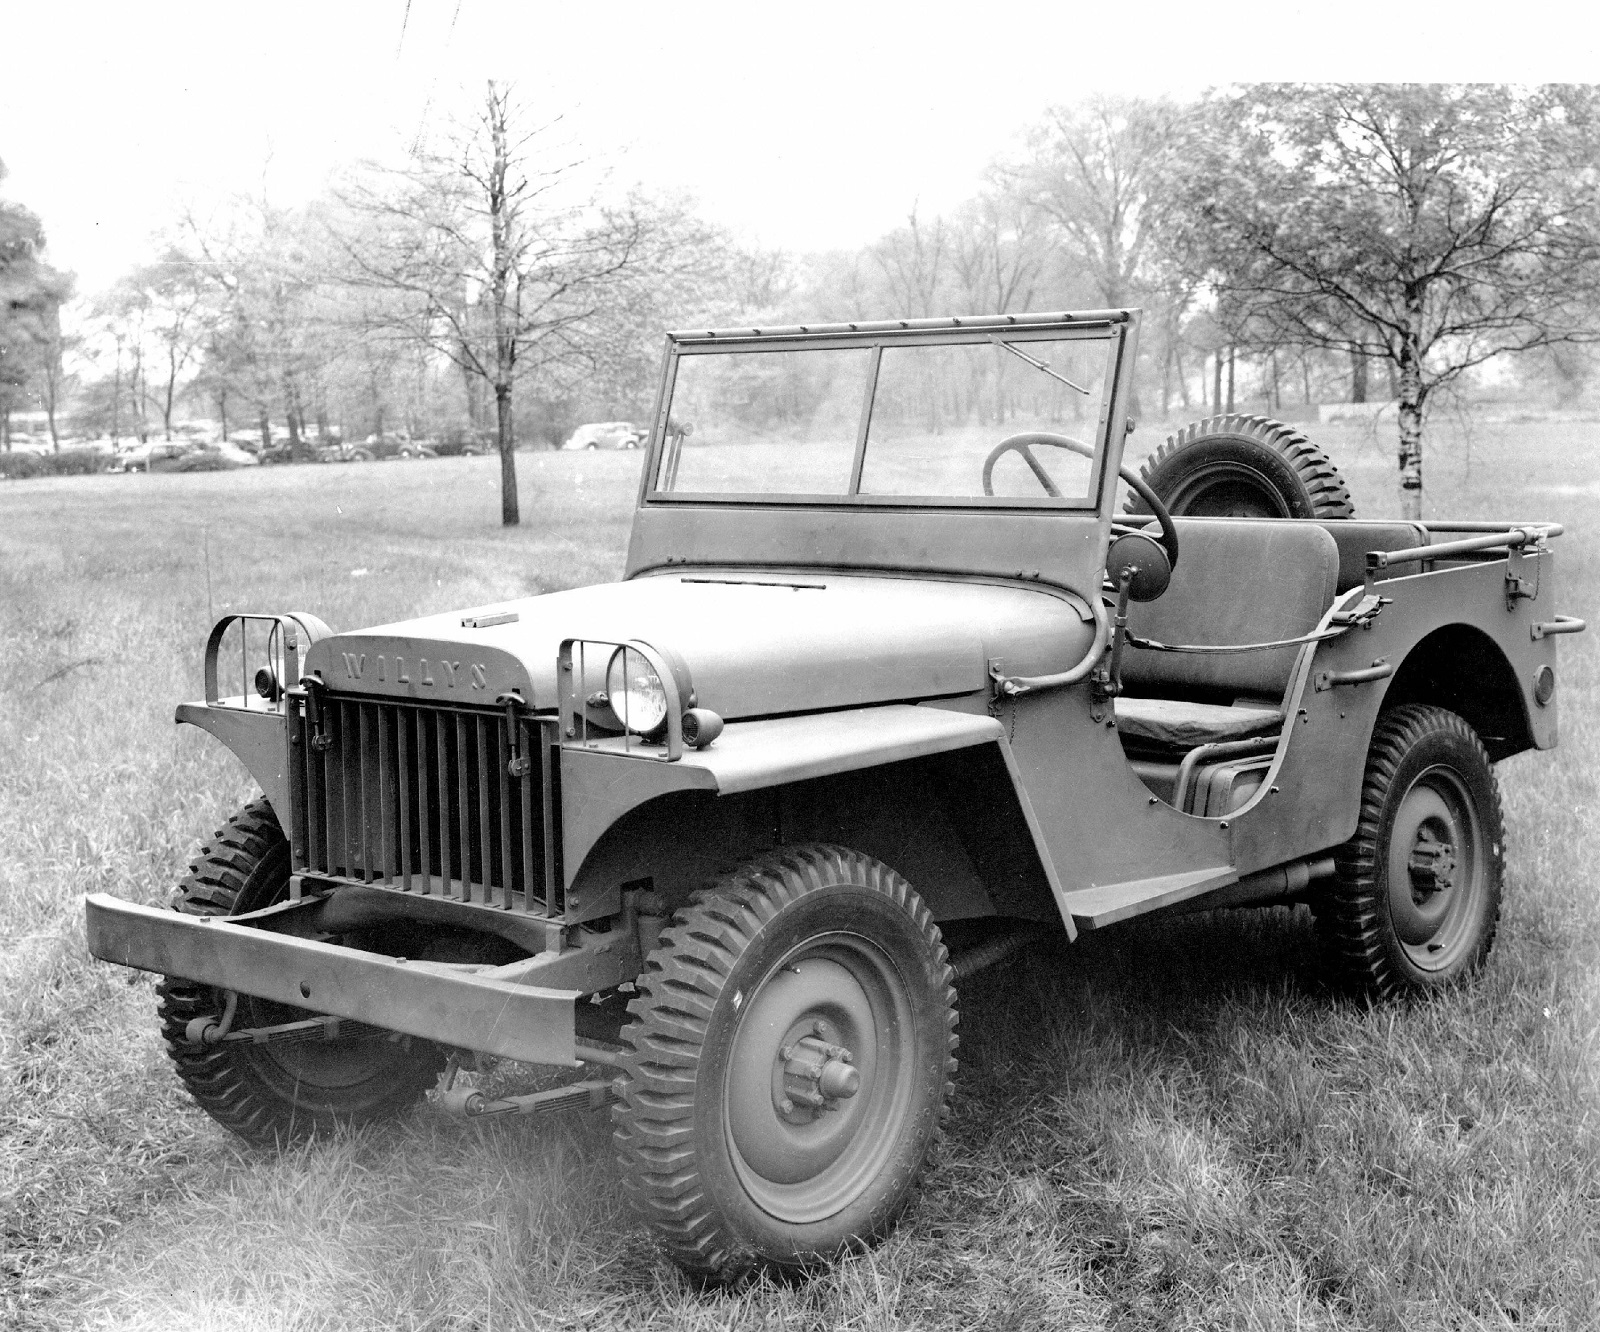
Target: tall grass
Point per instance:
(1170, 1124)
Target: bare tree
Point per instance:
(913, 259)
(999, 252)
(1428, 227)
(1101, 169)
(491, 254)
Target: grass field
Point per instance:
(1170, 1124)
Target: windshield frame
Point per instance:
(1110, 327)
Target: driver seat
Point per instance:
(1237, 581)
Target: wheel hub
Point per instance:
(814, 1075)
(1432, 865)
(1435, 875)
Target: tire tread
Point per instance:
(1349, 910)
(1330, 497)
(653, 1123)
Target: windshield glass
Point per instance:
(776, 422)
(900, 421)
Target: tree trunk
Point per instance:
(1183, 375)
(509, 516)
(505, 326)
(1358, 376)
(266, 430)
(1216, 382)
(1230, 375)
(1411, 394)
(222, 411)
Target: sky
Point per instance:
(800, 126)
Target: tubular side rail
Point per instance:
(1512, 538)
(1480, 525)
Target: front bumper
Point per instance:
(433, 1000)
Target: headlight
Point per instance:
(637, 695)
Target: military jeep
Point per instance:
(887, 672)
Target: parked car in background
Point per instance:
(394, 444)
(182, 456)
(31, 444)
(466, 443)
(607, 435)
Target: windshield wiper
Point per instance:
(1037, 364)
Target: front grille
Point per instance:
(422, 799)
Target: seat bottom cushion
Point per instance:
(1174, 724)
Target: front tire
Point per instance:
(1415, 902)
(789, 1064)
(278, 1092)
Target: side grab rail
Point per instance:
(1562, 624)
(1514, 537)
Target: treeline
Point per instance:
(1304, 242)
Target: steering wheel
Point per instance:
(1024, 443)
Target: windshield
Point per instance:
(904, 421)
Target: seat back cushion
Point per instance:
(1355, 538)
(1238, 580)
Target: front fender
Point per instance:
(258, 739)
(600, 783)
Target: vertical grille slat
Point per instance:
(405, 792)
(386, 865)
(485, 834)
(424, 813)
(442, 754)
(463, 809)
(330, 857)
(364, 787)
(552, 887)
(528, 890)
(502, 760)
(402, 728)
(347, 792)
(316, 832)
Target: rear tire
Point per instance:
(771, 991)
(276, 1093)
(1415, 903)
(1244, 467)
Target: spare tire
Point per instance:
(1244, 467)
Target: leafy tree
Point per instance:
(1430, 227)
(31, 294)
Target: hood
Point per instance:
(754, 643)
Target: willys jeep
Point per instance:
(886, 673)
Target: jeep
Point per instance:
(889, 688)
